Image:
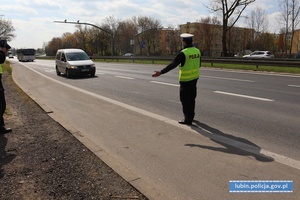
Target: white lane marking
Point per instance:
(294, 86)
(243, 96)
(50, 70)
(99, 73)
(124, 77)
(163, 83)
(246, 147)
(251, 72)
(44, 65)
(230, 79)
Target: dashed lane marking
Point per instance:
(125, 77)
(229, 79)
(163, 83)
(243, 96)
(298, 86)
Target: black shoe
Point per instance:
(4, 130)
(184, 121)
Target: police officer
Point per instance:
(4, 47)
(189, 60)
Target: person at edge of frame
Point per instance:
(4, 47)
(189, 60)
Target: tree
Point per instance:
(99, 42)
(69, 40)
(81, 35)
(265, 41)
(290, 10)
(53, 46)
(295, 10)
(124, 35)
(173, 41)
(112, 23)
(231, 10)
(6, 30)
(98, 39)
(148, 29)
(258, 20)
(205, 34)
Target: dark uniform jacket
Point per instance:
(2, 57)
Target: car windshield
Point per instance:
(77, 56)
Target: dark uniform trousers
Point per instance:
(188, 94)
(2, 103)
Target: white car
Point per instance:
(259, 54)
(128, 54)
(72, 62)
(10, 55)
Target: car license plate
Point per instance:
(85, 70)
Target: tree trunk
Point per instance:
(291, 44)
(224, 39)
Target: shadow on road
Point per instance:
(4, 157)
(229, 143)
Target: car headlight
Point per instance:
(73, 67)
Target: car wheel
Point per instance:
(68, 73)
(57, 72)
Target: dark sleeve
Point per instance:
(179, 59)
(2, 57)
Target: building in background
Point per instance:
(208, 38)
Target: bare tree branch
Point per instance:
(231, 9)
(290, 10)
(6, 30)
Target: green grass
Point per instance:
(7, 68)
(159, 62)
(293, 70)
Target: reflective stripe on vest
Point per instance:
(190, 70)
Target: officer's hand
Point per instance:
(156, 74)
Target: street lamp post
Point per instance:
(108, 32)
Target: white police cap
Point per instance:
(186, 35)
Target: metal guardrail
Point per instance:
(224, 60)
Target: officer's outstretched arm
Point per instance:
(156, 74)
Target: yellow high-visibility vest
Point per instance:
(190, 70)
(1, 70)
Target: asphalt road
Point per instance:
(260, 109)
(268, 113)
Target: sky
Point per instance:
(34, 19)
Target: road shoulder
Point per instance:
(41, 160)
